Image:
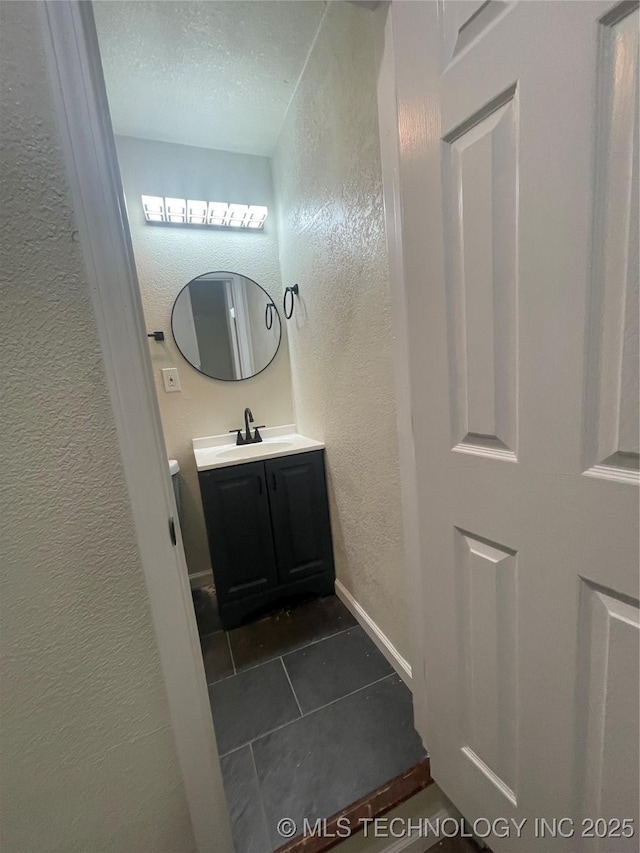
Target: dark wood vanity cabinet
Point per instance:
(236, 510)
(269, 533)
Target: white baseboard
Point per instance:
(400, 664)
(201, 579)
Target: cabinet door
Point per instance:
(300, 515)
(236, 509)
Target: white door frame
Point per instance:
(243, 325)
(75, 71)
(232, 329)
(239, 328)
(389, 124)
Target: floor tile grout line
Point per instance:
(291, 686)
(309, 714)
(297, 649)
(262, 808)
(346, 696)
(321, 640)
(233, 663)
(242, 671)
(210, 634)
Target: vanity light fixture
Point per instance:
(219, 213)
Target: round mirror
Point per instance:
(226, 326)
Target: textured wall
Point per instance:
(218, 75)
(88, 756)
(166, 259)
(332, 242)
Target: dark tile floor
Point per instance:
(309, 716)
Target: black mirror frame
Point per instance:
(268, 295)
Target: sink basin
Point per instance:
(216, 451)
(245, 451)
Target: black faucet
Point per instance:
(248, 418)
(246, 438)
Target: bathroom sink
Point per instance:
(217, 451)
(270, 446)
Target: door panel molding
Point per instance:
(608, 703)
(487, 593)
(465, 21)
(480, 177)
(612, 376)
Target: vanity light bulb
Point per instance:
(176, 209)
(196, 212)
(257, 211)
(217, 212)
(153, 207)
(256, 216)
(175, 205)
(237, 213)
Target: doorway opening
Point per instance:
(211, 105)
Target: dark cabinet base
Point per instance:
(269, 533)
(236, 613)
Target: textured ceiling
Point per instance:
(211, 73)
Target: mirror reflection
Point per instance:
(226, 325)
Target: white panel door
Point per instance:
(518, 144)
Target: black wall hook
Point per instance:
(293, 291)
(157, 336)
(268, 315)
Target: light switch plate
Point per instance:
(170, 379)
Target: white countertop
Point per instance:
(220, 451)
